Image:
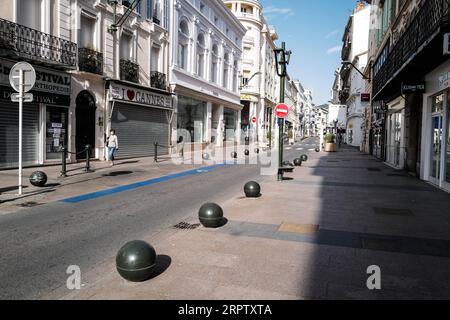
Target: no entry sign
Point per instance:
(282, 110)
(254, 120)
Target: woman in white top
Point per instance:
(113, 146)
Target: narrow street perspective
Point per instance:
(200, 151)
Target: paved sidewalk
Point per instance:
(312, 237)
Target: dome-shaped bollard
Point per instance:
(304, 158)
(234, 155)
(257, 151)
(247, 152)
(38, 179)
(317, 149)
(211, 215)
(298, 162)
(205, 156)
(136, 261)
(252, 189)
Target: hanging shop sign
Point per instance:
(365, 97)
(413, 88)
(51, 87)
(120, 92)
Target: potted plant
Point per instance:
(330, 143)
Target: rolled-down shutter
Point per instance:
(9, 135)
(138, 128)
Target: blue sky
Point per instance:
(313, 30)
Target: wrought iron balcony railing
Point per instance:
(90, 61)
(20, 41)
(158, 80)
(156, 21)
(432, 15)
(129, 71)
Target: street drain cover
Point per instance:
(29, 204)
(397, 175)
(186, 226)
(393, 212)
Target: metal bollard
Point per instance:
(88, 159)
(156, 152)
(64, 162)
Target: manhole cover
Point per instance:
(374, 169)
(393, 211)
(29, 204)
(186, 226)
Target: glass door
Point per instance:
(446, 166)
(437, 137)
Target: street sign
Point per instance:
(29, 76)
(22, 78)
(282, 111)
(27, 97)
(254, 120)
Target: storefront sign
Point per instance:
(413, 88)
(444, 80)
(140, 96)
(365, 97)
(246, 97)
(51, 87)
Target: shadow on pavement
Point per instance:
(163, 263)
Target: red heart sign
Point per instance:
(131, 95)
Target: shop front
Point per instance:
(141, 118)
(435, 166)
(45, 120)
(395, 134)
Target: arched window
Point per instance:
(214, 62)
(226, 66)
(201, 48)
(183, 41)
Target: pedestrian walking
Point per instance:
(339, 139)
(113, 146)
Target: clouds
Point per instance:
(332, 33)
(334, 49)
(272, 12)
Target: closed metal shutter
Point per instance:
(9, 135)
(138, 128)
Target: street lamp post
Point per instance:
(282, 58)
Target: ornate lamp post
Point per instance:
(282, 58)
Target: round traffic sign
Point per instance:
(29, 76)
(254, 119)
(282, 110)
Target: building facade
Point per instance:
(354, 58)
(259, 80)
(204, 73)
(93, 76)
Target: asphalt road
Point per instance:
(38, 244)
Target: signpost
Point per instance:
(22, 79)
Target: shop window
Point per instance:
(56, 131)
(191, 122)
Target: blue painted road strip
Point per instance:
(137, 185)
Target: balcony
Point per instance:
(129, 71)
(158, 80)
(156, 21)
(90, 61)
(418, 42)
(20, 42)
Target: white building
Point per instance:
(204, 72)
(355, 51)
(90, 78)
(260, 83)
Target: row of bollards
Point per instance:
(136, 260)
